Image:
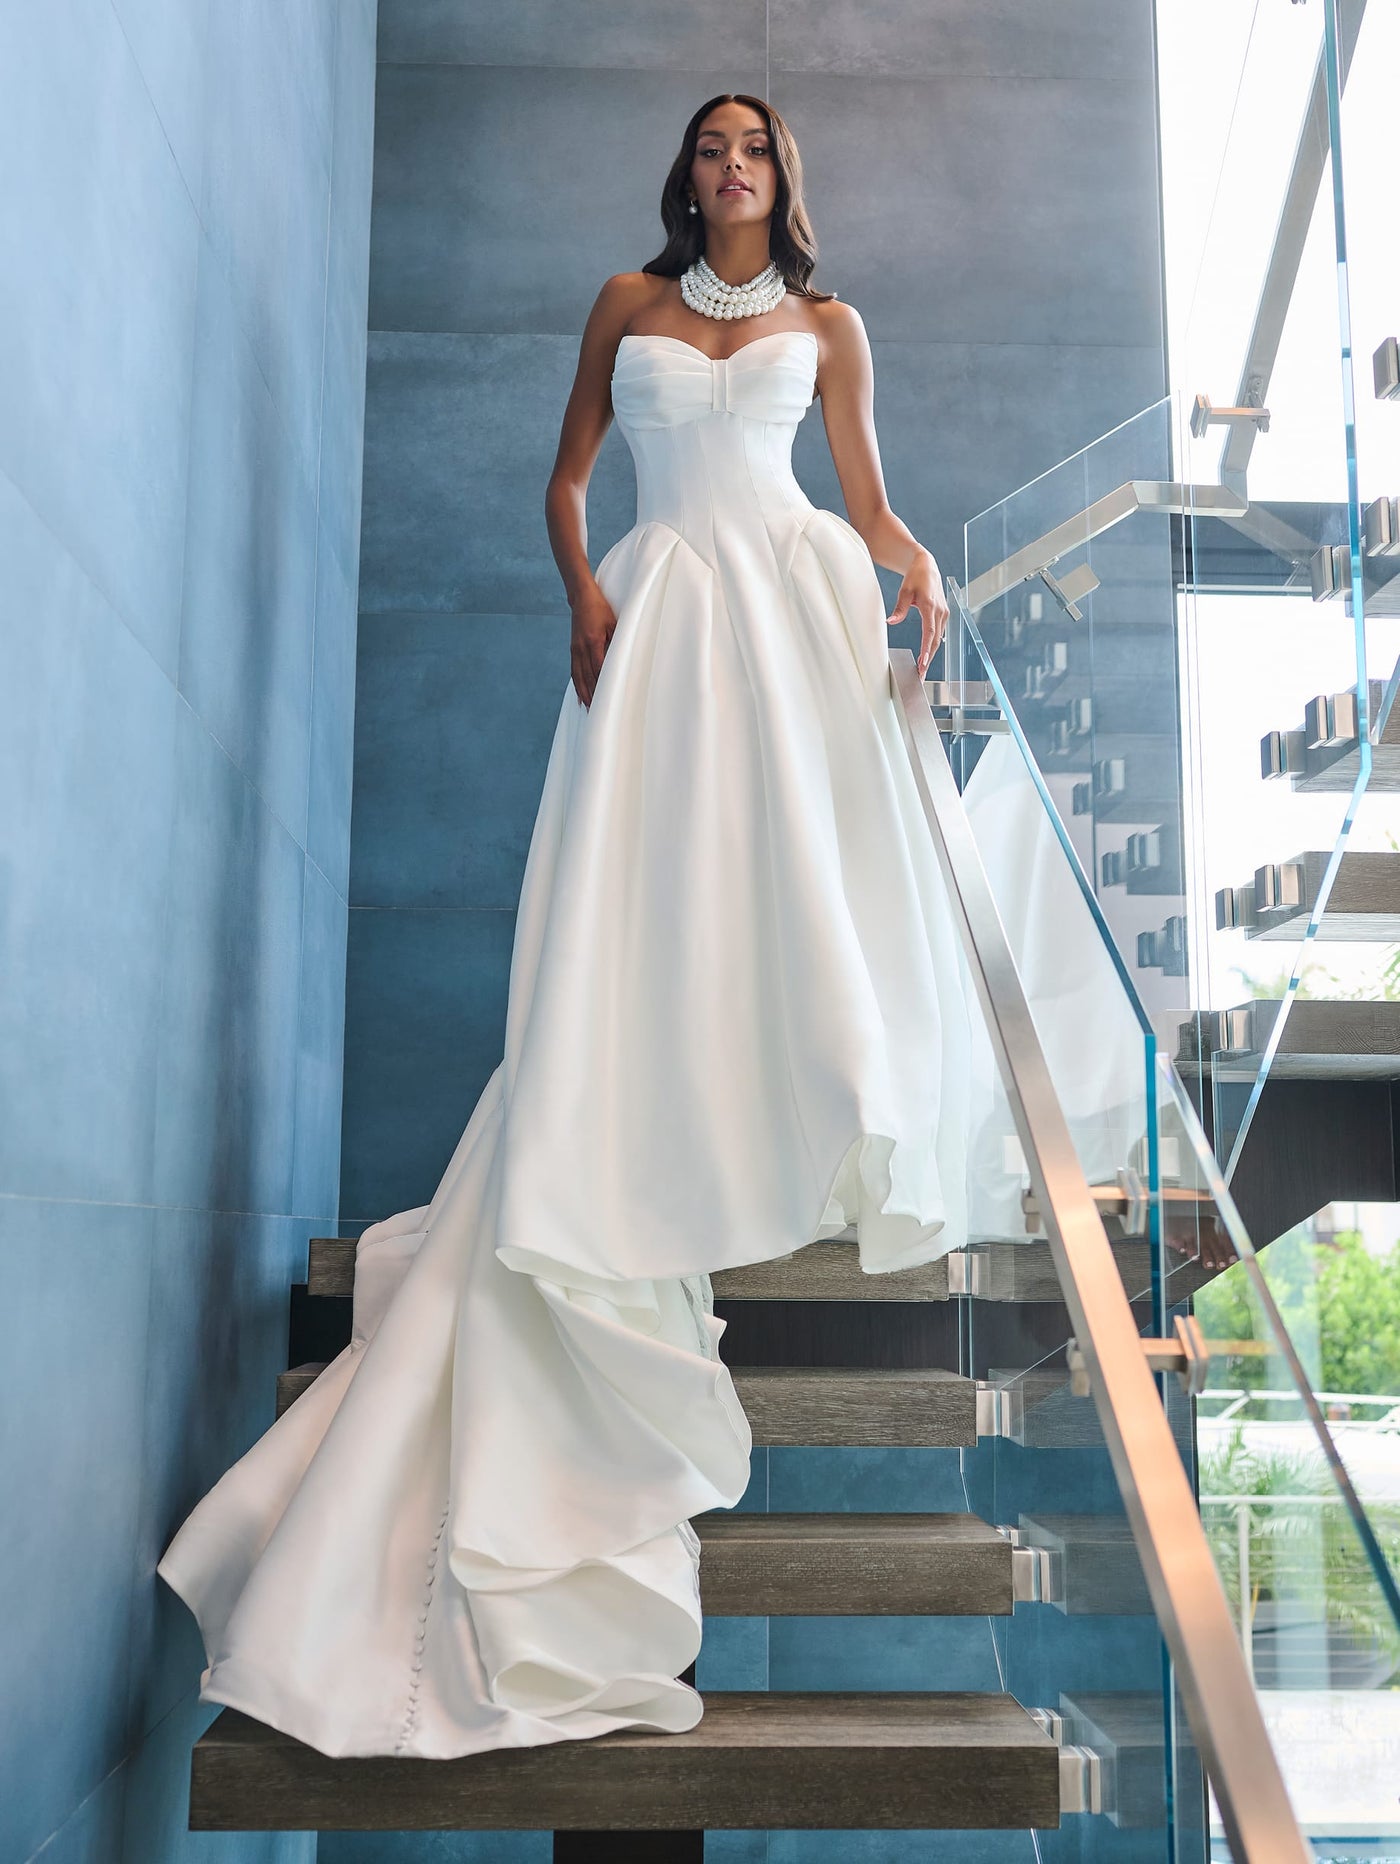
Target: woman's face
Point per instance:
(733, 173)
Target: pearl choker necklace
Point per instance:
(705, 291)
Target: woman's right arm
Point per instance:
(587, 417)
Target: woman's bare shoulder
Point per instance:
(625, 294)
(838, 322)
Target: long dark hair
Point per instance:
(792, 245)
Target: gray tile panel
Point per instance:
(1027, 200)
(625, 35)
(88, 767)
(231, 963)
(266, 190)
(503, 198)
(331, 750)
(452, 735)
(425, 1027)
(248, 605)
(960, 38)
(67, 1557)
(461, 435)
(97, 318)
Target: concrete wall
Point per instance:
(982, 179)
(184, 207)
(983, 185)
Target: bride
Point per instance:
(735, 1025)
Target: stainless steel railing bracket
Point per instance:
(1187, 1354)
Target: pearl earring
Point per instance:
(693, 207)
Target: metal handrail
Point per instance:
(1229, 499)
(1168, 497)
(1286, 252)
(1187, 1595)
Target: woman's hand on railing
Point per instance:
(922, 589)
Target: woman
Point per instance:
(734, 1001)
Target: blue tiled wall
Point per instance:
(184, 197)
(982, 180)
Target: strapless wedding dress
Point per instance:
(735, 1026)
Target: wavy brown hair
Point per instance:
(792, 245)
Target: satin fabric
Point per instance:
(736, 1024)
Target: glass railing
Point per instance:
(1074, 953)
(1197, 617)
(1176, 1238)
(1289, 640)
(1085, 1648)
(1299, 1491)
(1171, 674)
(1063, 1359)
(1303, 1566)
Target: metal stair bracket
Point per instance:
(1069, 590)
(1204, 417)
(1127, 1199)
(961, 706)
(1032, 1571)
(1081, 1770)
(1187, 1354)
(1385, 370)
(1187, 1596)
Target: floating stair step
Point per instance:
(299, 1379)
(1323, 754)
(825, 1271)
(330, 1265)
(784, 1565)
(1322, 1040)
(754, 1761)
(1363, 906)
(835, 1405)
(828, 1405)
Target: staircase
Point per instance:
(1079, 1553)
(757, 1760)
(754, 1761)
(1327, 1124)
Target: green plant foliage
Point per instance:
(1340, 1303)
(1302, 1554)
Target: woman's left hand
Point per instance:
(922, 589)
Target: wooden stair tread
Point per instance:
(1019, 1270)
(823, 1271)
(881, 1406)
(818, 1565)
(889, 1529)
(788, 1565)
(884, 1406)
(1323, 1039)
(1363, 906)
(894, 1760)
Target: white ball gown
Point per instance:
(736, 1025)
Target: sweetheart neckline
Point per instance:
(641, 336)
